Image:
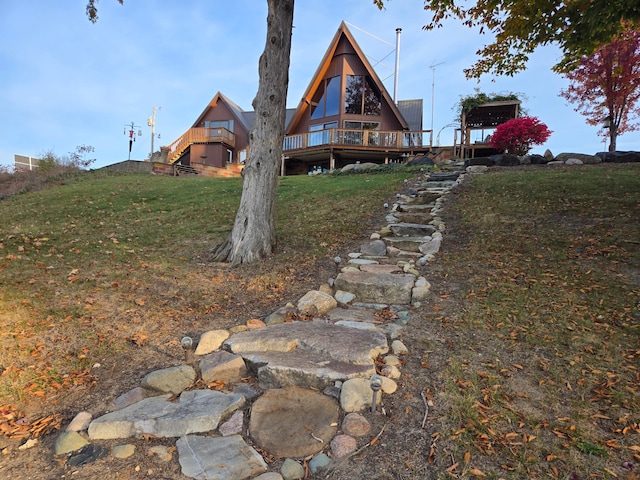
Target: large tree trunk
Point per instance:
(253, 235)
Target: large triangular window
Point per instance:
(361, 97)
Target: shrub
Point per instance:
(517, 135)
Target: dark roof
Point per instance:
(249, 117)
(492, 114)
(411, 110)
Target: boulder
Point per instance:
(583, 157)
(476, 169)
(535, 159)
(70, 441)
(170, 380)
(619, 157)
(375, 248)
(210, 341)
(356, 395)
(222, 367)
(316, 303)
(505, 160)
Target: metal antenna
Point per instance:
(433, 92)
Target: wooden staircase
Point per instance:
(199, 135)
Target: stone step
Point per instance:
(438, 177)
(422, 208)
(303, 369)
(409, 244)
(411, 229)
(409, 217)
(387, 288)
(309, 354)
(339, 343)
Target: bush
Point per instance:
(517, 135)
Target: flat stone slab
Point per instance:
(380, 268)
(303, 368)
(195, 411)
(411, 229)
(382, 288)
(218, 458)
(441, 177)
(421, 208)
(352, 314)
(339, 343)
(411, 217)
(409, 244)
(284, 421)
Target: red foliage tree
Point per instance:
(519, 134)
(606, 86)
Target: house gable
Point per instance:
(221, 108)
(345, 90)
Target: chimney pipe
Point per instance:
(395, 78)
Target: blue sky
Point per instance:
(65, 82)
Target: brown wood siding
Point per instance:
(212, 154)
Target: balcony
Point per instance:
(359, 139)
(200, 135)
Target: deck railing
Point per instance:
(358, 138)
(200, 135)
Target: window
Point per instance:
(228, 124)
(361, 125)
(361, 97)
(229, 156)
(326, 101)
(320, 134)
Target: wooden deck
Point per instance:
(200, 135)
(399, 141)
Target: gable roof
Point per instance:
(235, 110)
(343, 32)
(412, 112)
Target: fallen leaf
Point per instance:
(477, 473)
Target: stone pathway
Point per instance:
(307, 372)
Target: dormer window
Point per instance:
(361, 97)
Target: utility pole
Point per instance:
(152, 123)
(433, 92)
(132, 126)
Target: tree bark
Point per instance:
(613, 137)
(253, 235)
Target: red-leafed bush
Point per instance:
(517, 135)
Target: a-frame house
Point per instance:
(345, 116)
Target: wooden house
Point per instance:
(345, 116)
